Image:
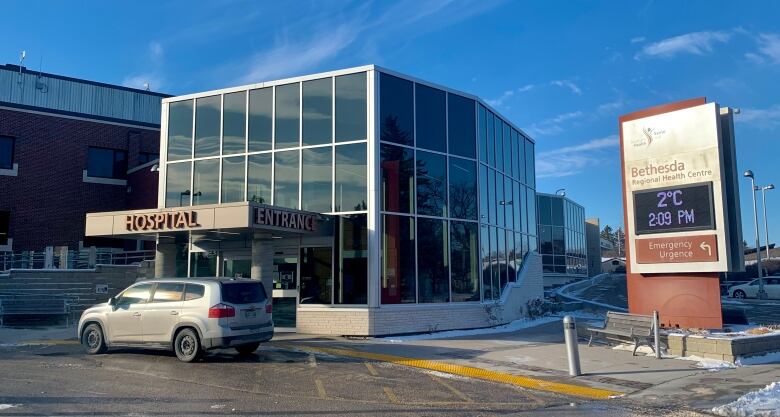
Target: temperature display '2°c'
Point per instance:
(674, 209)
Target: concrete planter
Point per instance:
(721, 348)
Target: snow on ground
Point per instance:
(446, 375)
(773, 357)
(7, 406)
(506, 328)
(703, 363)
(762, 403)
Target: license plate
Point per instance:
(251, 314)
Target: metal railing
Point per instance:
(74, 259)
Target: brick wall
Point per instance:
(48, 199)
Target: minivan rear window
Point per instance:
(243, 292)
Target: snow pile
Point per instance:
(506, 328)
(7, 406)
(773, 357)
(762, 403)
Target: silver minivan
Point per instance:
(186, 315)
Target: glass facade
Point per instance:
(562, 236)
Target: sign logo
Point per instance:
(649, 135)
(161, 221)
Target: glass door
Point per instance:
(316, 275)
(285, 293)
(236, 265)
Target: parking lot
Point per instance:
(58, 379)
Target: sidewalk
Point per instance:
(539, 352)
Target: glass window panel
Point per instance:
(234, 123)
(432, 268)
(482, 128)
(317, 111)
(233, 179)
(507, 149)
(521, 161)
(203, 265)
(557, 212)
(531, 212)
(397, 179)
(205, 182)
(167, 292)
(495, 256)
(545, 210)
(491, 144)
(207, 115)
(492, 202)
(180, 130)
(484, 201)
(484, 244)
(463, 189)
(316, 275)
(500, 200)
(106, 163)
(559, 246)
(138, 294)
(545, 239)
(177, 184)
(518, 205)
(431, 184)
(261, 104)
(520, 250)
(431, 118)
(351, 107)
(258, 187)
(398, 260)
(351, 237)
(396, 110)
(6, 152)
(287, 116)
(510, 203)
(530, 169)
(5, 226)
(286, 179)
(465, 261)
(499, 143)
(461, 126)
(316, 179)
(533, 243)
(511, 253)
(351, 177)
(501, 234)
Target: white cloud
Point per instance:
(552, 126)
(768, 118)
(154, 81)
(610, 107)
(638, 39)
(527, 87)
(499, 101)
(696, 43)
(768, 47)
(155, 50)
(567, 84)
(572, 160)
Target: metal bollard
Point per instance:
(570, 334)
(656, 335)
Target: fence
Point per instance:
(71, 259)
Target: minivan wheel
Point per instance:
(739, 294)
(247, 348)
(187, 345)
(92, 338)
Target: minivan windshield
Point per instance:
(243, 292)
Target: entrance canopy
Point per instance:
(207, 219)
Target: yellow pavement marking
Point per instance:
(320, 389)
(390, 395)
(371, 369)
(452, 389)
(471, 372)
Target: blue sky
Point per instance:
(562, 70)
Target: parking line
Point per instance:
(320, 389)
(452, 389)
(390, 395)
(472, 372)
(371, 369)
(312, 360)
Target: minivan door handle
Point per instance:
(138, 314)
(174, 312)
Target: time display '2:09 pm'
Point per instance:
(674, 209)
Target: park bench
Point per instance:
(27, 306)
(625, 327)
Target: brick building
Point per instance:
(69, 147)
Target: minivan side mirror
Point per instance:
(112, 302)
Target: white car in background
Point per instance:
(750, 290)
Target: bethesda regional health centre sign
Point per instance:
(676, 181)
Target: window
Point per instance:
(484, 253)
(180, 130)
(146, 157)
(351, 177)
(177, 184)
(432, 269)
(287, 116)
(316, 180)
(258, 185)
(351, 107)
(107, 163)
(351, 237)
(431, 184)
(530, 169)
(396, 110)
(205, 182)
(465, 261)
(398, 260)
(233, 179)
(506, 149)
(5, 227)
(431, 118)
(138, 294)
(317, 111)
(499, 149)
(491, 156)
(397, 179)
(286, 179)
(6, 152)
(207, 120)
(168, 291)
(461, 121)
(545, 210)
(531, 201)
(261, 105)
(557, 212)
(484, 199)
(316, 280)
(521, 161)
(463, 189)
(243, 292)
(482, 128)
(234, 123)
(516, 166)
(193, 292)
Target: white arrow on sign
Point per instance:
(706, 247)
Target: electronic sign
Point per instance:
(674, 209)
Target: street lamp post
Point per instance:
(753, 188)
(766, 221)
